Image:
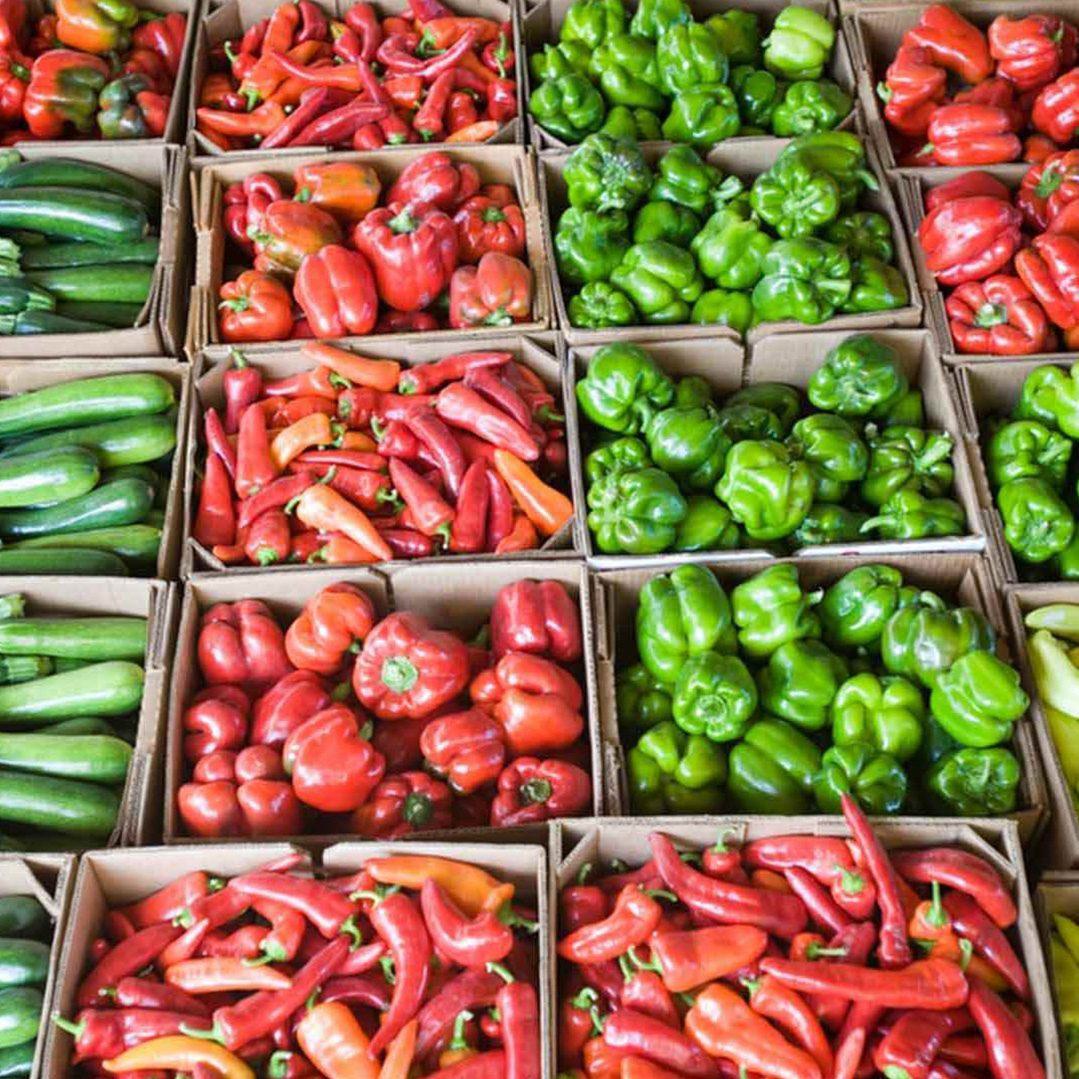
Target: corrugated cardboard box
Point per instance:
(1056, 893)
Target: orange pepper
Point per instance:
(345, 189)
(545, 507)
(180, 1053)
(357, 440)
(397, 1063)
(224, 974)
(333, 1040)
(770, 881)
(359, 370)
(522, 537)
(312, 430)
(324, 510)
(441, 33)
(480, 131)
(471, 888)
(339, 550)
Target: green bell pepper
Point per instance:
(738, 33)
(682, 614)
(640, 701)
(978, 700)
(689, 444)
(827, 522)
(731, 250)
(745, 423)
(683, 178)
(875, 780)
(811, 106)
(640, 125)
(771, 609)
(902, 457)
(908, 411)
(591, 22)
(859, 377)
(653, 17)
(661, 280)
(975, 782)
(757, 93)
(922, 640)
(795, 198)
(1051, 395)
(1066, 564)
(1037, 522)
(864, 234)
(702, 116)
(589, 244)
(805, 280)
(689, 55)
(1026, 449)
(568, 106)
(715, 696)
(665, 221)
(627, 72)
(618, 455)
(691, 391)
(887, 713)
(875, 286)
(839, 154)
(909, 515)
(834, 451)
(565, 58)
(707, 526)
(800, 43)
(783, 401)
(856, 608)
(772, 769)
(670, 772)
(604, 173)
(599, 304)
(723, 308)
(767, 491)
(623, 389)
(800, 683)
(635, 512)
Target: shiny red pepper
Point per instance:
(242, 643)
(972, 134)
(952, 42)
(968, 239)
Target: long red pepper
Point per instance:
(489, 384)
(432, 514)
(242, 385)
(430, 376)
(461, 406)
(688, 958)
(469, 531)
(971, 922)
(361, 405)
(274, 495)
(469, 942)
(217, 441)
(471, 990)
(1010, 1050)
(518, 1009)
(641, 1035)
(328, 911)
(822, 908)
(359, 960)
(318, 381)
(101, 1034)
(286, 932)
(143, 993)
(368, 989)
(343, 459)
(443, 446)
(216, 909)
(788, 1011)
(635, 916)
(394, 53)
(499, 510)
(124, 959)
(215, 518)
(254, 466)
(644, 991)
(964, 872)
(915, 1039)
(242, 943)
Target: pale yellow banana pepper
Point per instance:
(1056, 677)
(1061, 619)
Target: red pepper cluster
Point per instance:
(957, 96)
(445, 251)
(794, 957)
(357, 460)
(435, 734)
(209, 977)
(297, 78)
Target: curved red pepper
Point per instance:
(471, 943)
(952, 42)
(1009, 1045)
(635, 917)
(461, 406)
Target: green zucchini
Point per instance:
(139, 471)
(23, 962)
(95, 638)
(15, 669)
(53, 256)
(85, 401)
(131, 441)
(90, 216)
(20, 1014)
(69, 562)
(47, 476)
(121, 316)
(37, 321)
(69, 172)
(102, 689)
(115, 283)
(23, 916)
(78, 725)
(19, 294)
(96, 758)
(122, 502)
(17, 1061)
(13, 605)
(137, 544)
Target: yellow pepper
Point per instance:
(180, 1053)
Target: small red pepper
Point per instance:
(531, 790)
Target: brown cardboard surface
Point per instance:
(513, 165)
(536, 351)
(746, 158)
(961, 578)
(453, 596)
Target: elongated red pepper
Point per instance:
(396, 55)
(971, 922)
(461, 406)
(500, 512)
(432, 514)
(641, 1035)
(471, 943)
(471, 990)
(242, 386)
(426, 377)
(328, 911)
(254, 466)
(441, 444)
(1010, 1049)
(962, 871)
(101, 1034)
(689, 958)
(915, 1039)
(787, 1010)
(343, 459)
(217, 441)
(826, 859)
(518, 1008)
(822, 908)
(469, 532)
(634, 918)
(277, 494)
(125, 959)
(215, 519)
(370, 990)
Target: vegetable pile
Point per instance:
(674, 470)
(1064, 960)
(359, 460)
(86, 68)
(69, 701)
(267, 971)
(276, 749)
(955, 95)
(25, 935)
(684, 243)
(794, 957)
(444, 251)
(883, 677)
(663, 75)
(299, 78)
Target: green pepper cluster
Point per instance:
(684, 243)
(778, 700)
(672, 469)
(662, 75)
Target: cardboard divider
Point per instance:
(577, 842)
(512, 165)
(747, 159)
(456, 597)
(1056, 893)
(960, 578)
(541, 23)
(537, 352)
(228, 19)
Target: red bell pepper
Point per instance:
(164, 35)
(1056, 108)
(210, 810)
(335, 289)
(1033, 50)
(403, 804)
(952, 42)
(12, 23)
(242, 643)
(1037, 148)
(537, 617)
(14, 76)
(255, 307)
(216, 719)
(531, 790)
(434, 180)
(332, 625)
(997, 316)
(466, 748)
(1049, 187)
(1050, 269)
(913, 86)
(496, 292)
(285, 706)
(290, 231)
(483, 225)
(968, 239)
(972, 134)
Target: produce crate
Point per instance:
(228, 19)
(1055, 893)
(747, 159)
(962, 576)
(451, 596)
(497, 164)
(537, 352)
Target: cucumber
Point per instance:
(121, 316)
(36, 321)
(96, 638)
(85, 401)
(103, 689)
(17, 1061)
(90, 216)
(20, 1014)
(131, 441)
(68, 806)
(23, 916)
(23, 962)
(45, 476)
(137, 544)
(15, 669)
(69, 172)
(80, 562)
(115, 283)
(53, 256)
(122, 502)
(78, 725)
(96, 758)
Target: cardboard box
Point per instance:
(577, 842)
(747, 159)
(228, 19)
(536, 352)
(959, 578)
(542, 21)
(159, 329)
(452, 596)
(1056, 893)
(512, 165)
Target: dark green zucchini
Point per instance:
(122, 502)
(69, 562)
(137, 544)
(121, 316)
(115, 283)
(68, 172)
(23, 916)
(17, 1061)
(68, 806)
(51, 475)
(133, 440)
(91, 637)
(19, 294)
(37, 321)
(71, 214)
(23, 962)
(54, 256)
(20, 1014)
(80, 724)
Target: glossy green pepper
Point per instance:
(922, 640)
(591, 22)
(640, 125)
(568, 106)
(767, 491)
(800, 43)
(909, 515)
(683, 178)
(618, 455)
(1027, 449)
(689, 55)
(641, 702)
(975, 782)
(1051, 395)
(800, 683)
(715, 696)
(589, 244)
(757, 93)
(723, 308)
(689, 444)
(692, 390)
(908, 457)
(875, 286)
(978, 700)
(795, 198)
(707, 526)
(682, 614)
(635, 512)
(859, 377)
(864, 234)
(599, 304)
(811, 106)
(738, 33)
(772, 769)
(604, 173)
(839, 154)
(833, 449)
(783, 401)
(856, 608)
(730, 250)
(702, 116)
(1066, 564)
(875, 780)
(623, 388)
(661, 280)
(827, 522)
(1037, 522)
(805, 280)
(907, 411)
(653, 17)
(671, 772)
(565, 58)
(771, 609)
(744, 423)
(626, 69)
(665, 221)
(886, 712)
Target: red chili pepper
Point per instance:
(915, 1039)
(215, 519)
(471, 990)
(356, 459)
(500, 512)
(460, 108)
(339, 123)
(688, 958)
(963, 871)
(823, 910)
(501, 101)
(442, 445)
(254, 466)
(242, 943)
(143, 993)
(275, 495)
(461, 406)
(328, 911)
(430, 119)
(126, 958)
(396, 55)
(788, 1011)
(632, 921)
(853, 1037)
(430, 376)
(971, 922)
(432, 514)
(103, 1034)
(217, 441)
(641, 1035)
(471, 943)
(469, 531)
(1009, 1045)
